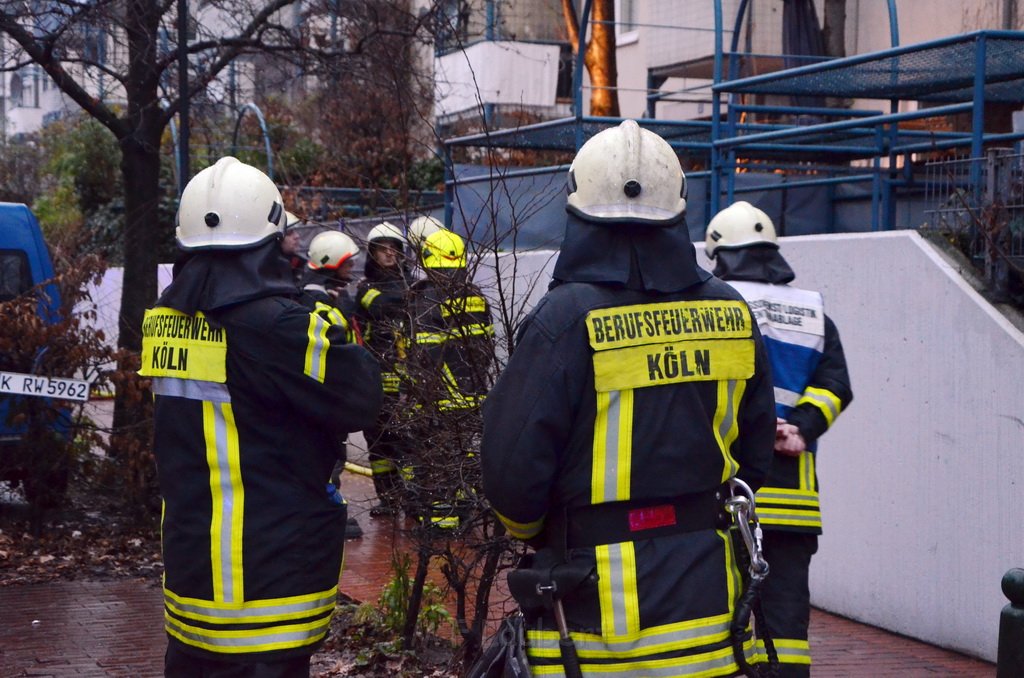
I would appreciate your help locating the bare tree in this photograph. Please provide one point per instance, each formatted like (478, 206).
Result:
(60, 37)
(598, 54)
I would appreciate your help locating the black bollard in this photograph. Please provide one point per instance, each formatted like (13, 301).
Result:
(1010, 663)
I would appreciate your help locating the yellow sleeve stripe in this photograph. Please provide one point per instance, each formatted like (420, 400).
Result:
(521, 530)
(825, 400)
(368, 298)
(316, 350)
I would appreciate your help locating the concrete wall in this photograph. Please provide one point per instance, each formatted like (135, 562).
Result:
(922, 476)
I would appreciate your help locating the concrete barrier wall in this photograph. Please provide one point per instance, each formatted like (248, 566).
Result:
(922, 477)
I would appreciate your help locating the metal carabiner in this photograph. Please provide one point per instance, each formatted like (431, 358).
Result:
(743, 508)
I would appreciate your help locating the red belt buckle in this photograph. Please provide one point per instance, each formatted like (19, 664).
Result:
(651, 517)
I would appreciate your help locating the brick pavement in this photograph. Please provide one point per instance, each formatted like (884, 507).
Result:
(115, 628)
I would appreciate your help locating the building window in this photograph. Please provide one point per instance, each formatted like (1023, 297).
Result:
(626, 20)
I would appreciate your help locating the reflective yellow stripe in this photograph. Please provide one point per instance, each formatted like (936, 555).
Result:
(793, 651)
(770, 515)
(461, 332)
(726, 424)
(616, 586)
(612, 447)
(279, 637)
(733, 580)
(332, 314)
(786, 496)
(228, 495)
(316, 350)
(825, 400)
(611, 624)
(251, 611)
(368, 298)
(649, 641)
(624, 456)
(521, 530)
(718, 662)
(382, 467)
(463, 305)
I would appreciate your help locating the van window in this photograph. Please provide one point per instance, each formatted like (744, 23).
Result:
(15, 276)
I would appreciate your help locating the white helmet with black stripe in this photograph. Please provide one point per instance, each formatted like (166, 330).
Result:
(627, 174)
(229, 205)
(739, 225)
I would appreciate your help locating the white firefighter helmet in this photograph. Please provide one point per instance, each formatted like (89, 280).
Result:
(443, 249)
(331, 249)
(291, 220)
(739, 225)
(229, 205)
(421, 227)
(386, 231)
(627, 174)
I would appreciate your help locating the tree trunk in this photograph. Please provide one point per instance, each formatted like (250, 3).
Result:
(599, 54)
(140, 169)
(600, 62)
(835, 28)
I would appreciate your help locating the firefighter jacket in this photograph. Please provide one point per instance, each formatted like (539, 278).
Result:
(251, 391)
(336, 310)
(619, 411)
(382, 307)
(811, 381)
(454, 338)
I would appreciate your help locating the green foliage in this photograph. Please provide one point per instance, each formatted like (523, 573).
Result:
(83, 191)
(426, 175)
(393, 604)
(58, 211)
(20, 166)
(301, 160)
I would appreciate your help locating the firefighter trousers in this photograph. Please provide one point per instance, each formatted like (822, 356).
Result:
(786, 599)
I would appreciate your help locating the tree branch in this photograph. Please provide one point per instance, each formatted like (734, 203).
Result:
(42, 54)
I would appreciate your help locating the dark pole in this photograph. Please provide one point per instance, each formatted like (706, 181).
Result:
(183, 125)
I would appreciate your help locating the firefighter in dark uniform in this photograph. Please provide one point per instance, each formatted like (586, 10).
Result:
(326, 275)
(451, 367)
(812, 386)
(251, 389)
(638, 387)
(382, 305)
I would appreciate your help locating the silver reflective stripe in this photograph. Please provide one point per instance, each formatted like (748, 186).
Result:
(810, 516)
(807, 469)
(662, 668)
(227, 505)
(193, 389)
(784, 397)
(827, 403)
(786, 651)
(611, 448)
(617, 591)
(794, 495)
(726, 427)
(295, 635)
(319, 346)
(633, 647)
(253, 608)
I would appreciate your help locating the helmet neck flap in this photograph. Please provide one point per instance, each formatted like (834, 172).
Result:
(754, 263)
(208, 280)
(648, 258)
